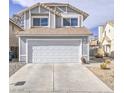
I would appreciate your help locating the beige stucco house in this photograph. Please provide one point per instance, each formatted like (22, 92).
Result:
(106, 34)
(13, 40)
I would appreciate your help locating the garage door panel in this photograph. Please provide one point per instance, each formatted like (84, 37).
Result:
(55, 42)
(54, 51)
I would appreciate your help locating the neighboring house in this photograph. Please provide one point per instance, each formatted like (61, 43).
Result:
(94, 43)
(13, 40)
(53, 33)
(93, 46)
(106, 33)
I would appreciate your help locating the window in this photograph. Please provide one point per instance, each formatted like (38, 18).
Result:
(40, 21)
(74, 21)
(66, 22)
(70, 22)
(36, 21)
(44, 21)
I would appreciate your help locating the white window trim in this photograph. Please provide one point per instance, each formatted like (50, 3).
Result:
(25, 20)
(30, 19)
(39, 17)
(49, 19)
(19, 48)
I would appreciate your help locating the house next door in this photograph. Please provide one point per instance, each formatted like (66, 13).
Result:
(53, 50)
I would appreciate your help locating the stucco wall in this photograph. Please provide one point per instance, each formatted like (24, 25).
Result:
(13, 40)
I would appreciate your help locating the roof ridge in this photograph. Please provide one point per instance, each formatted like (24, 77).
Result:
(61, 31)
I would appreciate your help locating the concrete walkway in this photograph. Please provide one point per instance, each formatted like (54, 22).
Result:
(56, 78)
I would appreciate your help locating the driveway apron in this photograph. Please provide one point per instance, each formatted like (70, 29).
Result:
(56, 78)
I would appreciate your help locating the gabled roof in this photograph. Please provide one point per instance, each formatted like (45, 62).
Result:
(39, 4)
(69, 5)
(47, 6)
(81, 31)
(108, 22)
(12, 21)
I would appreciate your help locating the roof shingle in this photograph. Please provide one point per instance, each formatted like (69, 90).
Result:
(42, 31)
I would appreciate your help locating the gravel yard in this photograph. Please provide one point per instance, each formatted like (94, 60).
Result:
(98, 60)
(14, 66)
(107, 76)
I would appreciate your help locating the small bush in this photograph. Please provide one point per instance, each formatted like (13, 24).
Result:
(106, 64)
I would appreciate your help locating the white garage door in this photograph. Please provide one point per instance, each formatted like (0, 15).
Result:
(54, 51)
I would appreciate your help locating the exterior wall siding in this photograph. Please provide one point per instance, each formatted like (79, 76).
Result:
(43, 10)
(23, 46)
(27, 20)
(58, 21)
(85, 48)
(13, 40)
(35, 10)
(52, 20)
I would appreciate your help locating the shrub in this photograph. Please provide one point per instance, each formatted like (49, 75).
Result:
(106, 64)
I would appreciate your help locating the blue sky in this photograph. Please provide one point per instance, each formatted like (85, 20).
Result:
(100, 11)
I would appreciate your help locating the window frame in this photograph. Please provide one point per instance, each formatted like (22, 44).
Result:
(70, 19)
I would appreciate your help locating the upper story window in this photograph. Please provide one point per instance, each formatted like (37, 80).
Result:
(44, 21)
(36, 21)
(40, 21)
(66, 22)
(70, 21)
(74, 21)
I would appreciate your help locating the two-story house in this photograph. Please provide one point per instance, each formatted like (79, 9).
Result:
(53, 33)
(106, 33)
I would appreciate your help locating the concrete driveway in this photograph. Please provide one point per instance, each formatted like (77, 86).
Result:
(56, 78)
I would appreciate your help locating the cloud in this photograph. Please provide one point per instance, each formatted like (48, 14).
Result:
(100, 11)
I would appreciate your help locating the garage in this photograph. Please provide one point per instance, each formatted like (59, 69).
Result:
(53, 50)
